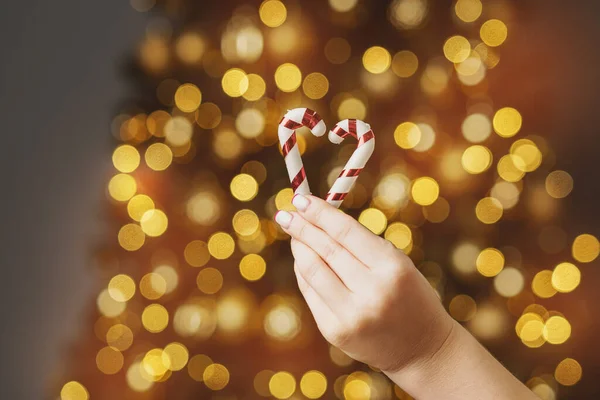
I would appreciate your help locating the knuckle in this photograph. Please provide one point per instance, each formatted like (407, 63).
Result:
(318, 214)
(331, 252)
(343, 231)
(337, 336)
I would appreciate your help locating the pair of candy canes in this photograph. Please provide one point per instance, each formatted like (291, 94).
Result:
(361, 131)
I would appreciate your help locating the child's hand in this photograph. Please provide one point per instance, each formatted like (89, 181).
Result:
(367, 297)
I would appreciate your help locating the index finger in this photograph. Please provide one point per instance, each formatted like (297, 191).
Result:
(344, 229)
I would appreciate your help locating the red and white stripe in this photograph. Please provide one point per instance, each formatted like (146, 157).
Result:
(293, 120)
(366, 144)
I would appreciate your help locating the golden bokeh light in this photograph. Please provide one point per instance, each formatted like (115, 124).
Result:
(122, 187)
(509, 282)
(400, 235)
(405, 63)
(154, 222)
(493, 32)
(209, 280)
(427, 138)
(256, 88)
(476, 159)
(407, 135)
(557, 330)
(568, 372)
(425, 191)
(252, 267)
(244, 187)
(190, 47)
(120, 337)
(457, 49)
(250, 123)
(337, 50)
(288, 77)
(138, 205)
(109, 360)
(246, 223)
(256, 169)
(342, 5)
(315, 85)
(197, 365)
(121, 288)
(377, 60)
(138, 380)
(196, 253)
(541, 284)
(586, 248)
(490, 262)
(74, 391)
(215, 376)
(131, 237)
(155, 318)
(507, 168)
(221, 245)
(108, 306)
(489, 210)
(559, 184)
(203, 208)
(282, 385)
(177, 355)
(352, 107)
(468, 10)
(507, 122)
(462, 308)
(158, 156)
(313, 384)
(188, 97)
(126, 158)
(476, 128)
(235, 82)
(565, 277)
(178, 131)
(153, 286)
(208, 115)
(374, 220)
(526, 154)
(272, 13)
(438, 211)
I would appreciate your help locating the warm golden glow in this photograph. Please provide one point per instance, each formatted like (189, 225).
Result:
(74, 391)
(188, 97)
(209, 280)
(568, 372)
(196, 253)
(489, 210)
(507, 122)
(131, 237)
(282, 385)
(313, 384)
(216, 376)
(493, 32)
(490, 262)
(154, 222)
(158, 156)
(405, 63)
(126, 158)
(235, 82)
(425, 191)
(586, 248)
(457, 49)
(221, 245)
(468, 10)
(374, 220)
(244, 187)
(407, 135)
(272, 13)
(122, 187)
(377, 60)
(315, 86)
(559, 184)
(155, 318)
(252, 267)
(566, 277)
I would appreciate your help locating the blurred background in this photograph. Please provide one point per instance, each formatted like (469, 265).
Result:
(142, 171)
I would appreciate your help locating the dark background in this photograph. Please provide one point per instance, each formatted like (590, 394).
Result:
(61, 78)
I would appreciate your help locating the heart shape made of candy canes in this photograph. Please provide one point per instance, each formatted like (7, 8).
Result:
(358, 129)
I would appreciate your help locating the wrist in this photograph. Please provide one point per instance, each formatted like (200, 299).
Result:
(460, 368)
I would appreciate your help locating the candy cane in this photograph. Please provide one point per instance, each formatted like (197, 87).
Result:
(366, 144)
(293, 120)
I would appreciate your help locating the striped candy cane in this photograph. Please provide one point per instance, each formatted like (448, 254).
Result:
(293, 120)
(366, 144)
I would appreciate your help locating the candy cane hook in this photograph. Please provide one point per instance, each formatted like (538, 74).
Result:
(366, 145)
(293, 120)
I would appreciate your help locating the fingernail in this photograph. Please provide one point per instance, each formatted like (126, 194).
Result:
(300, 202)
(283, 218)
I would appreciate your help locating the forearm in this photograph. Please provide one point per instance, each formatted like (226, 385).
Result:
(461, 369)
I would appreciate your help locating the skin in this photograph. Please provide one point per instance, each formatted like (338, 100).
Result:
(369, 300)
